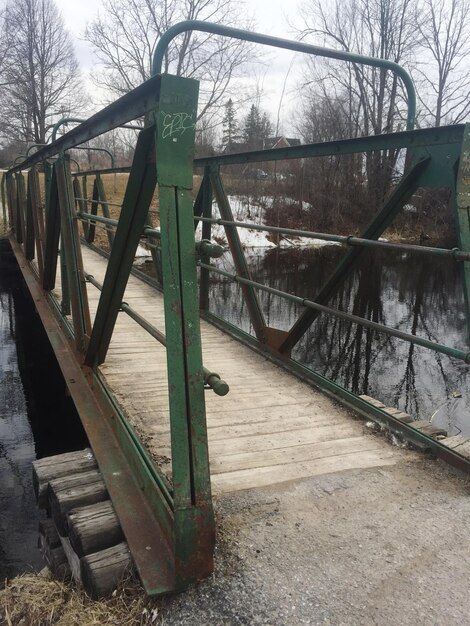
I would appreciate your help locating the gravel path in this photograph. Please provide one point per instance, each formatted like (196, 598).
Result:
(386, 546)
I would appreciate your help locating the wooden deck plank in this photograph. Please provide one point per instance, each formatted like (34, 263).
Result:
(270, 428)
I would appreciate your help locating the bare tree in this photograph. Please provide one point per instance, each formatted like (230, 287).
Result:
(125, 35)
(444, 26)
(41, 72)
(377, 28)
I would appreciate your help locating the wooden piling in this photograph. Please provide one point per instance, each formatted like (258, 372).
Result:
(82, 539)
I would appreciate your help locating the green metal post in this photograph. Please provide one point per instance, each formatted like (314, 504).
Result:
(461, 206)
(85, 203)
(71, 252)
(52, 230)
(20, 208)
(380, 222)
(194, 521)
(34, 198)
(11, 195)
(4, 201)
(91, 231)
(29, 228)
(101, 199)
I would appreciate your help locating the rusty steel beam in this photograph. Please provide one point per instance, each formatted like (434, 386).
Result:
(149, 536)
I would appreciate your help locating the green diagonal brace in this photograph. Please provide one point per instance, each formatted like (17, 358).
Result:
(251, 298)
(139, 192)
(380, 222)
(52, 231)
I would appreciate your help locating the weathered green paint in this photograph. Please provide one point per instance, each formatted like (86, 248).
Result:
(29, 223)
(183, 515)
(252, 302)
(52, 231)
(20, 207)
(12, 208)
(102, 200)
(71, 252)
(4, 200)
(34, 200)
(194, 521)
(425, 141)
(139, 192)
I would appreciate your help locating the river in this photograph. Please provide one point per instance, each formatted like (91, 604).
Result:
(422, 295)
(37, 418)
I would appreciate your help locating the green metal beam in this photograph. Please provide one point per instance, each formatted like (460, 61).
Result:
(194, 519)
(52, 231)
(20, 207)
(461, 207)
(139, 192)
(34, 199)
(71, 253)
(445, 138)
(138, 102)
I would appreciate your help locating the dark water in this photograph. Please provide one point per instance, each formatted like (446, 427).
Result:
(37, 419)
(417, 294)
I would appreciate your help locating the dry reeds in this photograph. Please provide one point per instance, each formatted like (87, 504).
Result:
(34, 600)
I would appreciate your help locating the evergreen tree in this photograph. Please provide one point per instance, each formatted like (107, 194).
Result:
(256, 128)
(231, 132)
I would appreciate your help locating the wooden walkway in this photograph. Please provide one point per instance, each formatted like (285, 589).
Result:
(270, 428)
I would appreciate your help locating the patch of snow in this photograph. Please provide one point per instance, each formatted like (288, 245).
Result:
(252, 212)
(142, 252)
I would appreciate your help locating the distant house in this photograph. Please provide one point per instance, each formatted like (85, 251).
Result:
(266, 144)
(281, 142)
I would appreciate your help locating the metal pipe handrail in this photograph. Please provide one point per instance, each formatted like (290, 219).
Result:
(349, 240)
(296, 46)
(211, 379)
(109, 221)
(425, 343)
(105, 202)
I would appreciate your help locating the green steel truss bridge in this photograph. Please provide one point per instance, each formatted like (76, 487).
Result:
(131, 352)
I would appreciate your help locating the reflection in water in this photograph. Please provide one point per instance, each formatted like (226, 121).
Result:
(36, 417)
(417, 294)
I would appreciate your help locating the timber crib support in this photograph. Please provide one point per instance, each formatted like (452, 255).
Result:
(82, 538)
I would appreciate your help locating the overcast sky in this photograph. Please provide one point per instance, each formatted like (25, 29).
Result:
(271, 16)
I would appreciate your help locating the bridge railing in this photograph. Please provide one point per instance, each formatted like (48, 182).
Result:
(435, 160)
(44, 211)
(46, 206)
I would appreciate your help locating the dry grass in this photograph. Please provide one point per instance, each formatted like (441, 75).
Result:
(33, 600)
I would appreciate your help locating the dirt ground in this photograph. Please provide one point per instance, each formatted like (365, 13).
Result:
(386, 546)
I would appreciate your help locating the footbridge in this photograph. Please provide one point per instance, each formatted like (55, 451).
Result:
(177, 403)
